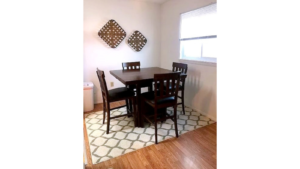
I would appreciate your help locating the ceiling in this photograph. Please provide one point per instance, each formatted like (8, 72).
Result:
(156, 1)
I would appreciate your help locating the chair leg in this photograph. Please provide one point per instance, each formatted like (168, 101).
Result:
(155, 118)
(104, 110)
(182, 101)
(130, 106)
(143, 110)
(175, 120)
(134, 111)
(108, 118)
(127, 106)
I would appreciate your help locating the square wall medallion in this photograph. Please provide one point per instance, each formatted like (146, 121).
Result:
(112, 33)
(137, 41)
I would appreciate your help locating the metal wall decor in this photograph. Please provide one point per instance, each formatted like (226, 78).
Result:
(137, 41)
(112, 33)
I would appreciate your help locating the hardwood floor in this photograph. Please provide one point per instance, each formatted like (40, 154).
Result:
(193, 150)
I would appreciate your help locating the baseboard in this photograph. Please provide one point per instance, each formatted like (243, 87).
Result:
(209, 116)
(99, 102)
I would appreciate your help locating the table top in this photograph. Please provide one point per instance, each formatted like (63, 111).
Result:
(138, 76)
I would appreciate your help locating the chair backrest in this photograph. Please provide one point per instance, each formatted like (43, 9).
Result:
(182, 67)
(131, 65)
(103, 86)
(172, 80)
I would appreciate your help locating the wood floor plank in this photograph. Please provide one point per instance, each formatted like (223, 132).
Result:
(147, 156)
(160, 155)
(168, 156)
(99, 166)
(115, 163)
(183, 155)
(192, 150)
(157, 161)
(119, 162)
(108, 163)
(125, 162)
(134, 161)
(197, 148)
(203, 141)
(143, 159)
(209, 133)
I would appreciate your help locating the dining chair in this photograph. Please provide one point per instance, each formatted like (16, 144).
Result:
(162, 98)
(180, 67)
(113, 95)
(134, 66)
(131, 65)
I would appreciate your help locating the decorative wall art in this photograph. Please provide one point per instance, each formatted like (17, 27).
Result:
(112, 33)
(137, 41)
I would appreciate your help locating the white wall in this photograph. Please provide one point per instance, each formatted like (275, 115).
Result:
(200, 91)
(131, 15)
(160, 25)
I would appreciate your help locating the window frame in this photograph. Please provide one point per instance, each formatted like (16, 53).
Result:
(211, 61)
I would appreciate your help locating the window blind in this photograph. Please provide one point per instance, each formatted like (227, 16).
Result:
(199, 24)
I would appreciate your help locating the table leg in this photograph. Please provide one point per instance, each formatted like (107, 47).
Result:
(139, 109)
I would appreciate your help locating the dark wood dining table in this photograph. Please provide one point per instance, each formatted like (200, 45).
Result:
(138, 78)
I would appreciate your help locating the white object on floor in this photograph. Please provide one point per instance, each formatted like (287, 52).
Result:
(88, 96)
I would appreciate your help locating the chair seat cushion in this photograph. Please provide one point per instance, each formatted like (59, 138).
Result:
(120, 93)
(150, 97)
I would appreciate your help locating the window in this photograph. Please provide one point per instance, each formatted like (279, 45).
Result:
(198, 34)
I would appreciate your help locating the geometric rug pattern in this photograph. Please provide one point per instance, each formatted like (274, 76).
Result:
(124, 137)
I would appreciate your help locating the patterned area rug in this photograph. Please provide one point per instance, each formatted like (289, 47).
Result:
(124, 137)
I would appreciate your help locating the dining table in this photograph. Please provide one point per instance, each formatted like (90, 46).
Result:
(138, 78)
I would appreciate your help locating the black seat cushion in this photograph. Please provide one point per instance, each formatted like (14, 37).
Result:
(150, 97)
(120, 93)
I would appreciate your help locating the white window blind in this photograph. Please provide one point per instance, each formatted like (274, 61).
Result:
(198, 34)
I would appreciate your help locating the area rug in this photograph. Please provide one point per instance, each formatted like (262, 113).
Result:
(124, 137)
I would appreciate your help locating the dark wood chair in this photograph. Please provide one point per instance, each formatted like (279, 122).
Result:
(162, 98)
(180, 67)
(113, 95)
(131, 65)
(134, 66)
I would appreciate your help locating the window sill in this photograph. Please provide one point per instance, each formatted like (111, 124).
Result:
(199, 62)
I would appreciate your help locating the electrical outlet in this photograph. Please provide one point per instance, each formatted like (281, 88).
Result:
(111, 84)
